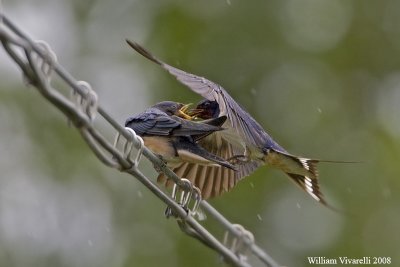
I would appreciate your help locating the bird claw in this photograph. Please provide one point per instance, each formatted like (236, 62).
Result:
(157, 167)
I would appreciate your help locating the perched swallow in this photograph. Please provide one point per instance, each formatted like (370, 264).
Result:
(244, 136)
(174, 139)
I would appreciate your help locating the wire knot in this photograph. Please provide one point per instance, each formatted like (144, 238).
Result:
(187, 196)
(127, 149)
(42, 59)
(239, 244)
(87, 101)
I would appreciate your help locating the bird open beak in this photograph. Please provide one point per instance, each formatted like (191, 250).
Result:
(194, 112)
(182, 112)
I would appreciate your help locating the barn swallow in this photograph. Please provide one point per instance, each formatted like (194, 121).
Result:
(245, 141)
(174, 139)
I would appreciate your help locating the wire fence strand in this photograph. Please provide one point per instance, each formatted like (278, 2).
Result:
(37, 62)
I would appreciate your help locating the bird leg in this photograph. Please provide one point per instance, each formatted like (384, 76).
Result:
(239, 159)
(157, 167)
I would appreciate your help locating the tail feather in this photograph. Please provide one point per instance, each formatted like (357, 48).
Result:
(302, 171)
(308, 164)
(291, 164)
(310, 186)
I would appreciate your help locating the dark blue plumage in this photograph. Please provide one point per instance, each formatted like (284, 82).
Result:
(174, 138)
(244, 140)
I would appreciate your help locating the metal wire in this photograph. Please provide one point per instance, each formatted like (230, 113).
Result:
(38, 63)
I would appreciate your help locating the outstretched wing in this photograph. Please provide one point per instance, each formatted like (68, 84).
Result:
(241, 122)
(243, 125)
(243, 131)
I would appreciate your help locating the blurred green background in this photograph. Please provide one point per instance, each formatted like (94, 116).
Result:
(322, 77)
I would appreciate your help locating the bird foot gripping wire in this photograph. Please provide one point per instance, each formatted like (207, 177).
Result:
(239, 244)
(128, 145)
(187, 196)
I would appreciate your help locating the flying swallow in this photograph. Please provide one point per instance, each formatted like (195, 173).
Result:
(244, 140)
(173, 138)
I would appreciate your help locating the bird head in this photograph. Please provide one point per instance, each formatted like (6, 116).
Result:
(174, 108)
(205, 109)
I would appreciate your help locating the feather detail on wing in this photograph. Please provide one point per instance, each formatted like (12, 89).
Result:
(249, 134)
(239, 121)
(213, 181)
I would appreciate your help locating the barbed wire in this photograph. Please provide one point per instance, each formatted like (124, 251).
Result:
(38, 63)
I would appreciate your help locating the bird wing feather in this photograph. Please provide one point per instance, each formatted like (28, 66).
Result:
(239, 122)
(156, 122)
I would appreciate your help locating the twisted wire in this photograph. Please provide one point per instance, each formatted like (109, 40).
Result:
(38, 63)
